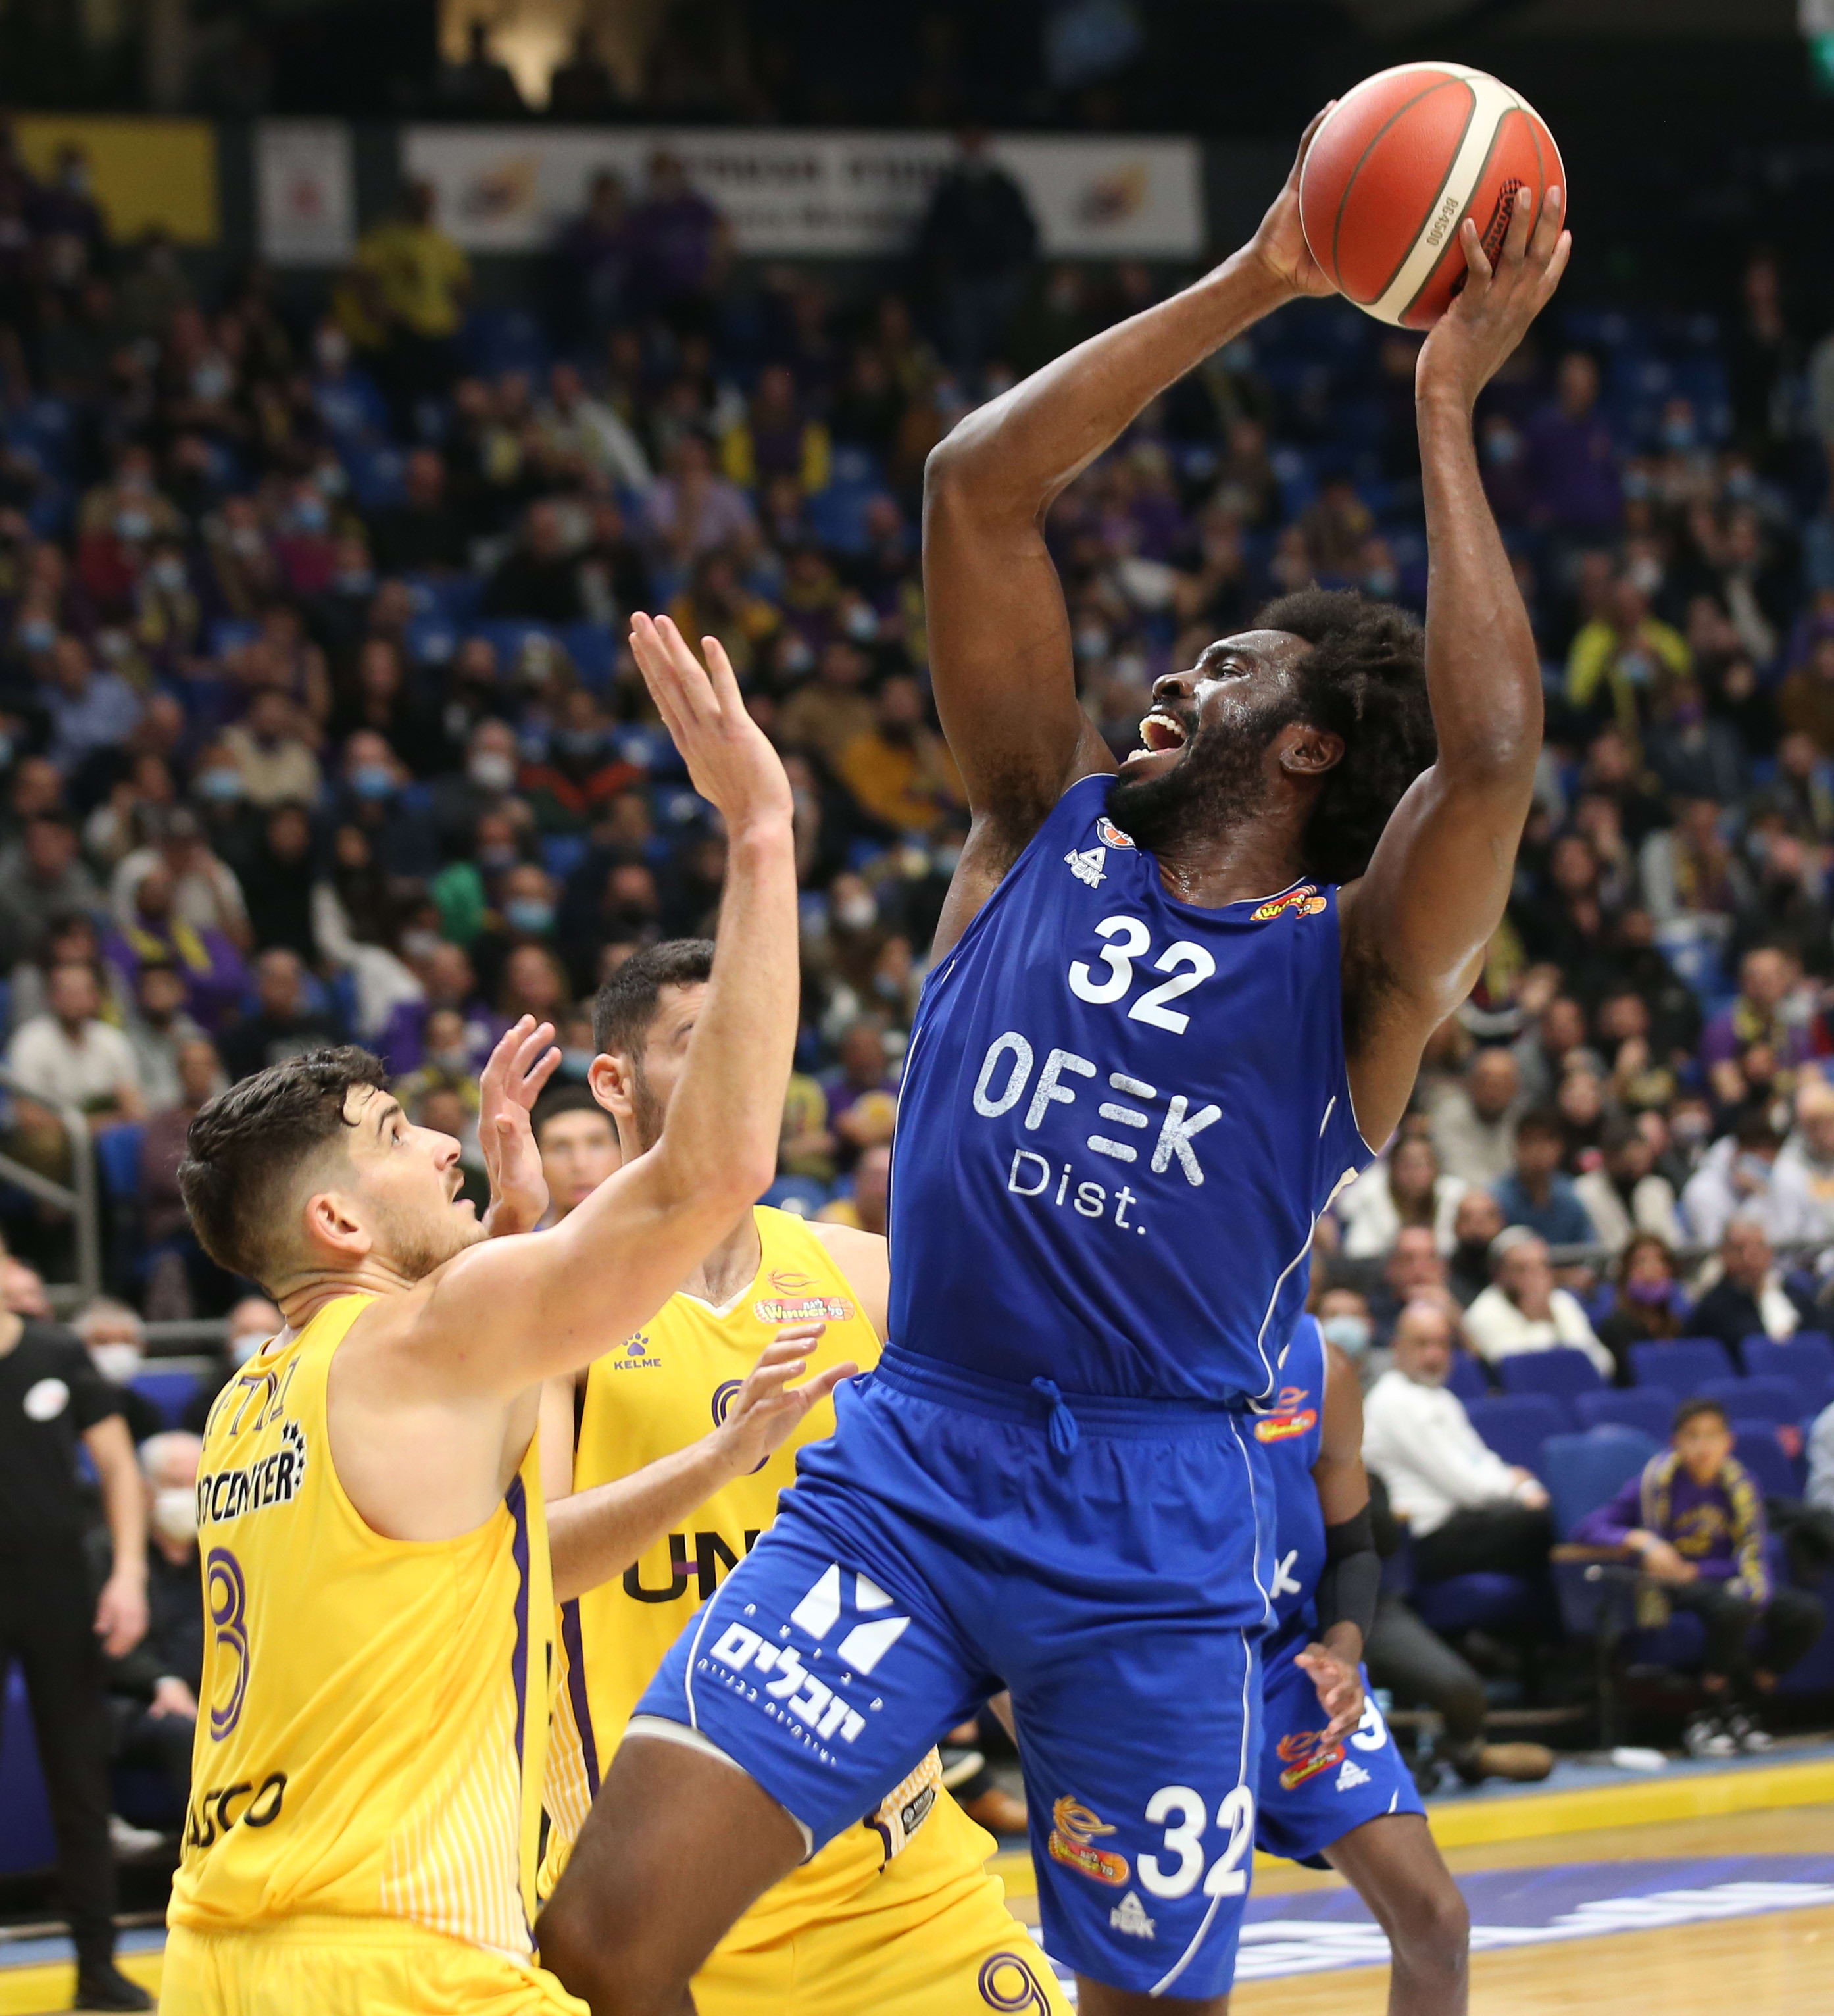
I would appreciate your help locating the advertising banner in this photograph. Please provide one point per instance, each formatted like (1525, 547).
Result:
(305, 192)
(509, 188)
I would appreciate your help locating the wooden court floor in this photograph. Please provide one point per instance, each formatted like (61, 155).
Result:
(1781, 1963)
(1778, 1964)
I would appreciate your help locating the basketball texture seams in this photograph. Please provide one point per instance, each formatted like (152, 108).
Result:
(1395, 168)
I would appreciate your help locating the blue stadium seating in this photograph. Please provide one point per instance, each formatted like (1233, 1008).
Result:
(26, 1839)
(1757, 1449)
(1776, 1401)
(1479, 1601)
(1516, 1425)
(1467, 1378)
(1563, 1374)
(1807, 1359)
(1682, 1364)
(117, 1160)
(170, 1391)
(1646, 1409)
(1582, 1472)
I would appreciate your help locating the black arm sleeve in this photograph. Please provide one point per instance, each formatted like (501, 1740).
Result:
(1352, 1579)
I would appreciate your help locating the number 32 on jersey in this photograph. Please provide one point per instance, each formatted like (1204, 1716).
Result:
(1128, 942)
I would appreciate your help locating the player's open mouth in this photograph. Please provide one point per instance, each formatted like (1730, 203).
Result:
(1159, 732)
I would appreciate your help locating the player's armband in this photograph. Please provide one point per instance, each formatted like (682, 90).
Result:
(1352, 1579)
(907, 1806)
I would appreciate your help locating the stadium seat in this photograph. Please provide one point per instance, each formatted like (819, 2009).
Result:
(117, 1160)
(1515, 1425)
(593, 648)
(1480, 1601)
(1468, 1378)
(1646, 1409)
(562, 852)
(26, 1840)
(1756, 1447)
(1806, 1359)
(1682, 1364)
(1776, 1401)
(1563, 1374)
(1582, 1472)
(170, 1391)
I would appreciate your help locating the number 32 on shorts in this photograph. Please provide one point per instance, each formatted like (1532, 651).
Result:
(1184, 1814)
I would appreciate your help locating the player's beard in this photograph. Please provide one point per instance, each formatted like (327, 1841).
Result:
(648, 1113)
(416, 1245)
(1221, 782)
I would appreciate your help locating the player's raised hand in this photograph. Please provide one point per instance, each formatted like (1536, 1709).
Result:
(1340, 1689)
(730, 762)
(1280, 243)
(1468, 345)
(767, 1409)
(517, 1071)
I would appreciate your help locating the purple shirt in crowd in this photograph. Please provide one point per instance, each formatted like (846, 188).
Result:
(1572, 472)
(1719, 1526)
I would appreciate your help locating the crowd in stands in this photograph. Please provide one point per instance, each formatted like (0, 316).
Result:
(317, 723)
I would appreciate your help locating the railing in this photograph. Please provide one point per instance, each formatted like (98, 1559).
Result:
(78, 1200)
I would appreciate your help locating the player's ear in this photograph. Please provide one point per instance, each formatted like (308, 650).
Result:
(1310, 752)
(332, 1228)
(610, 1078)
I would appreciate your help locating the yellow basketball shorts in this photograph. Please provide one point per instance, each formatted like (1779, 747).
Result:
(328, 1966)
(956, 1951)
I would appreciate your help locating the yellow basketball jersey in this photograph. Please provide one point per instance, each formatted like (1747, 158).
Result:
(655, 1393)
(373, 1723)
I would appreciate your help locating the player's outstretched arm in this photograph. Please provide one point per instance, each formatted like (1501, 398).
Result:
(1416, 926)
(595, 1535)
(522, 1308)
(999, 633)
(1347, 1589)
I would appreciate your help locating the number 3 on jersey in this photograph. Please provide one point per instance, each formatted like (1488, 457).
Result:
(1129, 941)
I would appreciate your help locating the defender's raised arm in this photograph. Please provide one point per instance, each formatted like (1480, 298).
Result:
(617, 1259)
(999, 633)
(1416, 926)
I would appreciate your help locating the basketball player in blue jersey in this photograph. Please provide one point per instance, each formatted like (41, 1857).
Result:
(1333, 1788)
(1167, 1014)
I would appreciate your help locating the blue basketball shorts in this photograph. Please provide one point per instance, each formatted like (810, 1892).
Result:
(1112, 1574)
(1313, 1793)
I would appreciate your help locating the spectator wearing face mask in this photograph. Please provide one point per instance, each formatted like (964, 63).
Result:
(1735, 1176)
(115, 1338)
(1344, 1316)
(1521, 1309)
(1406, 1187)
(159, 1029)
(154, 1691)
(1647, 1304)
(251, 1324)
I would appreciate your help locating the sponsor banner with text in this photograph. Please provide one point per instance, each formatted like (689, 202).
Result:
(511, 188)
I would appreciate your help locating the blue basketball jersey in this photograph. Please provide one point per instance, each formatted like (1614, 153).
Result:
(1292, 1433)
(1121, 1116)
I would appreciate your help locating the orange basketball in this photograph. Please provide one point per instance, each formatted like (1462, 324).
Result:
(1400, 164)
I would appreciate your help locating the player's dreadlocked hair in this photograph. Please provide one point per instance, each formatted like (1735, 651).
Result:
(1364, 678)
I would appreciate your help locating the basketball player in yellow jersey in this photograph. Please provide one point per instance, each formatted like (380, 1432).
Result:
(898, 1917)
(361, 1839)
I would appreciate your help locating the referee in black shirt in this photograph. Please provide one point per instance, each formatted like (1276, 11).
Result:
(50, 1395)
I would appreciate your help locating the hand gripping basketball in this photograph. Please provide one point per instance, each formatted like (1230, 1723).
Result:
(1470, 343)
